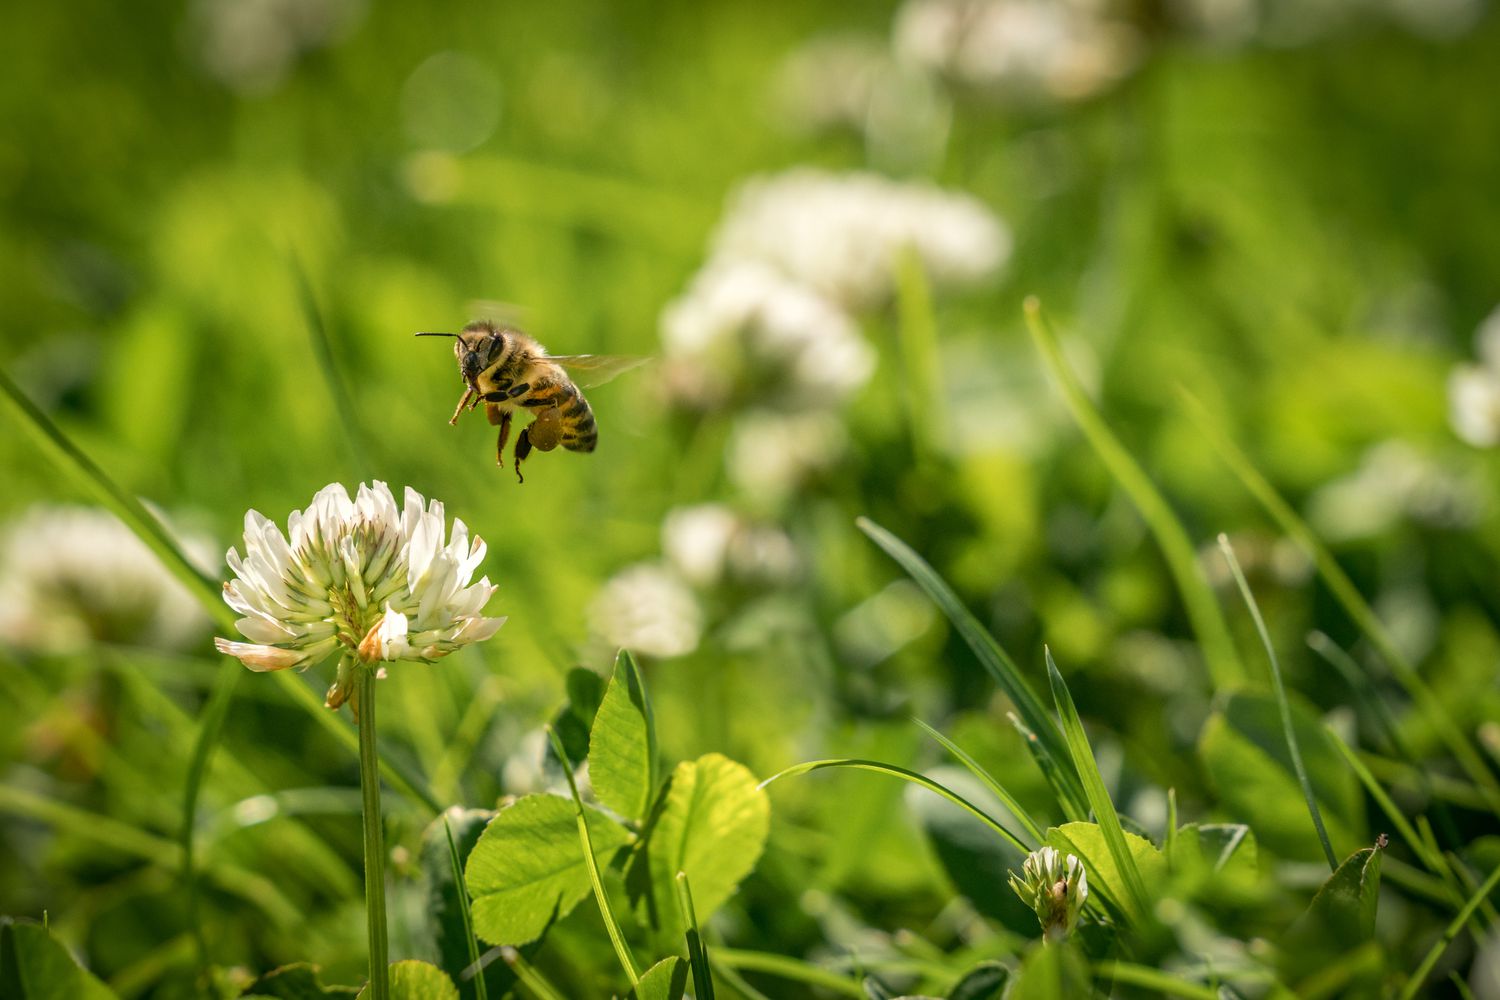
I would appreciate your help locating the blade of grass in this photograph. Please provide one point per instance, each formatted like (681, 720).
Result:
(322, 348)
(1061, 779)
(978, 771)
(1152, 979)
(154, 849)
(529, 975)
(1398, 819)
(149, 528)
(1349, 598)
(1285, 708)
(737, 982)
(622, 950)
(214, 713)
(1419, 977)
(1170, 841)
(125, 505)
(920, 780)
(989, 652)
(703, 980)
(1470, 882)
(465, 737)
(1098, 794)
(475, 970)
(789, 968)
(1386, 725)
(1224, 667)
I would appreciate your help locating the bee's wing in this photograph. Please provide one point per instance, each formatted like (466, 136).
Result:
(588, 370)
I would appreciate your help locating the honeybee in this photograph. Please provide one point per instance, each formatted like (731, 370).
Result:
(510, 372)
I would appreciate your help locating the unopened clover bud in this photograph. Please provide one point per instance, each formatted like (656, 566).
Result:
(1055, 887)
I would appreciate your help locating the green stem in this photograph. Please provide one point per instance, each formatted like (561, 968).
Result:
(1348, 595)
(481, 988)
(369, 784)
(703, 982)
(1198, 599)
(788, 968)
(203, 748)
(616, 937)
(1282, 705)
(1414, 984)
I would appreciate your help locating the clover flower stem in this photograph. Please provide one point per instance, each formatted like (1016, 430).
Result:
(369, 784)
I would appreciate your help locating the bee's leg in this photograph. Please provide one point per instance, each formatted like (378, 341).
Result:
(523, 448)
(503, 393)
(462, 401)
(504, 436)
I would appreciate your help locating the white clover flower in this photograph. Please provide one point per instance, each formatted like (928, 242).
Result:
(1474, 390)
(1019, 49)
(743, 327)
(709, 543)
(647, 609)
(361, 576)
(1055, 887)
(71, 575)
(772, 455)
(1393, 481)
(843, 234)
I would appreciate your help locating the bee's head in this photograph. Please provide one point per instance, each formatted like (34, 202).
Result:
(476, 347)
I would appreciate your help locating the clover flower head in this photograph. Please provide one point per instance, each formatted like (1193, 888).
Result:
(1474, 389)
(1027, 50)
(365, 577)
(1055, 886)
(843, 234)
(744, 325)
(649, 609)
(710, 544)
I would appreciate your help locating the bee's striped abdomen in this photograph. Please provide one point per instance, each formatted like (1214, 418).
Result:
(579, 432)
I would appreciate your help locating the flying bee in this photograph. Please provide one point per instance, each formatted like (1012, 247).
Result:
(510, 372)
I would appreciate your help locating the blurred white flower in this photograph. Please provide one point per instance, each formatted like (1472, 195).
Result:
(69, 575)
(1474, 404)
(1474, 390)
(363, 576)
(251, 44)
(843, 234)
(1023, 49)
(743, 327)
(772, 454)
(710, 543)
(1055, 887)
(1394, 481)
(647, 609)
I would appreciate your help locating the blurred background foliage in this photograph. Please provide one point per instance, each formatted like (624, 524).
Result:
(1294, 221)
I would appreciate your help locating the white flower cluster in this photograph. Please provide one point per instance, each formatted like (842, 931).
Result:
(366, 577)
(709, 544)
(1055, 887)
(1023, 49)
(71, 575)
(1395, 481)
(649, 609)
(843, 234)
(1474, 390)
(744, 326)
(771, 315)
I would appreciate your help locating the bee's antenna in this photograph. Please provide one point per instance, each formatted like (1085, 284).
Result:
(437, 335)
